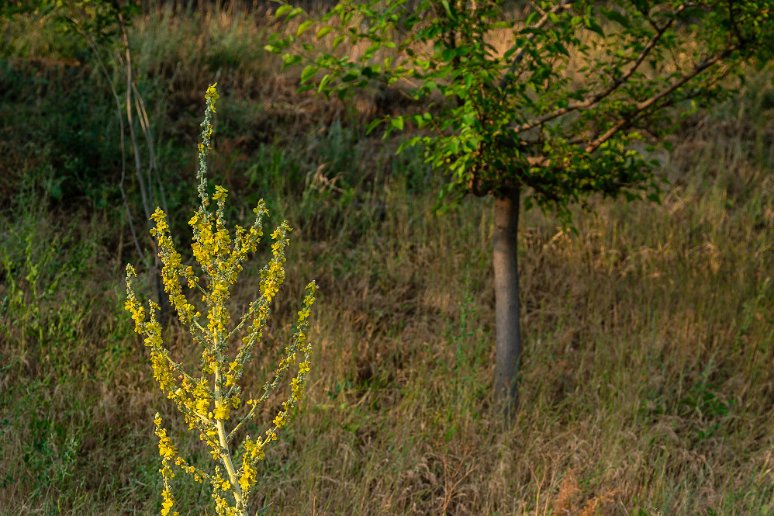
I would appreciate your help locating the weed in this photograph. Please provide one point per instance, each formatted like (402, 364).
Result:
(209, 400)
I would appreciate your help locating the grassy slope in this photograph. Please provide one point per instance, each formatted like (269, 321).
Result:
(647, 378)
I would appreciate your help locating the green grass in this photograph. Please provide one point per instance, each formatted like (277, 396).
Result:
(647, 380)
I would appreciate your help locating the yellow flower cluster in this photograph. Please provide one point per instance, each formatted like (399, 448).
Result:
(167, 452)
(173, 269)
(210, 399)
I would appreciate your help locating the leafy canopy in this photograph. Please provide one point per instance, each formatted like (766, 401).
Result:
(558, 101)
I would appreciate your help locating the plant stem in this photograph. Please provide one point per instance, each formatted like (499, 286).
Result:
(225, 454)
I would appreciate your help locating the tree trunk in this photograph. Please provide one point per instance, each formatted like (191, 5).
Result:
(506, 283)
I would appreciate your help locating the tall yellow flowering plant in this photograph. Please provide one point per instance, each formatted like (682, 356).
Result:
(210, 400)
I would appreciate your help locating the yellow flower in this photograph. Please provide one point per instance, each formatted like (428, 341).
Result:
(222, 411)
(211, 96)
(220, 193)
(280, 420)
(167, 502)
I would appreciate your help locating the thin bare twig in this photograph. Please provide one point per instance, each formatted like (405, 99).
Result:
(153, 169)
(130, 121)
(144, 189)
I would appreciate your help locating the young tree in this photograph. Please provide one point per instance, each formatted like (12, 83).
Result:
(549, 104)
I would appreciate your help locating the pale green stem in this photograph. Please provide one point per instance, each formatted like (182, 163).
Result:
(267, 389)
(242, 322)
(225, 454)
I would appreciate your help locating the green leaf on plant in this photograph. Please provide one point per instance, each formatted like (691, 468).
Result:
(373, 124)
(350, 76)
(323, 31)
(447, 8)
(615, 16)
(290, 59)
(324, 83)
(308, 72)
(303, 27)
(282, 10)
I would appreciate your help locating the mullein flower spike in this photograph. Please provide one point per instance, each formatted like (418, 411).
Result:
(210, 400)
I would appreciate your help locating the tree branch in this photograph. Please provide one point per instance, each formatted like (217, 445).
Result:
(599, 97)
(641, 107)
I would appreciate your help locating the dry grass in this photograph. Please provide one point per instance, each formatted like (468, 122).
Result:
(647, 381)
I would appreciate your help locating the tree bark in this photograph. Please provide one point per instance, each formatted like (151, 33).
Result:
(506, 283)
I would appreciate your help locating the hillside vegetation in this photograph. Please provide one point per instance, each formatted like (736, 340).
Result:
(648, 378)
